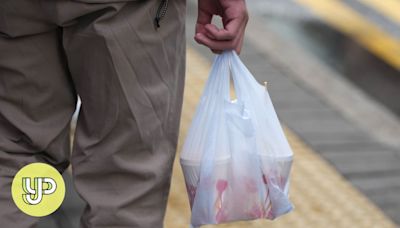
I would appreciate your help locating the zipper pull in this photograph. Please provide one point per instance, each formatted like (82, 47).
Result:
(157, 22)
(161, 11)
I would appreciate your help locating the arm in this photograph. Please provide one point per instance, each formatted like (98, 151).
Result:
(234, 18)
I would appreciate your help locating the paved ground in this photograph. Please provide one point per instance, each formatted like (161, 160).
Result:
(330, 116)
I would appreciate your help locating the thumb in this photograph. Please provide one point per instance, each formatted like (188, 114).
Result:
(203, 18)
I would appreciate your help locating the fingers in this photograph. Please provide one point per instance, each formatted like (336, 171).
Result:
(234, 16)
(216, 51)
(241, 38)
(221, 39)
(240, 45)
(221, 34)
(215, 44)
(203, 18)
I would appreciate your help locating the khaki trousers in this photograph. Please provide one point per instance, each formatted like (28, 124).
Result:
(130, 77)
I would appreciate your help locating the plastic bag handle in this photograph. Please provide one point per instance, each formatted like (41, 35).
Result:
(239, 72)
(217, 86)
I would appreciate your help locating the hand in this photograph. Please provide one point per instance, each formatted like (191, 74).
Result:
(234, 18)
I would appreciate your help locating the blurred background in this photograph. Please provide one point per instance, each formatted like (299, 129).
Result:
(333, 68)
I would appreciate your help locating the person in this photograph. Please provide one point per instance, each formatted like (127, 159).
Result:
(126, 61)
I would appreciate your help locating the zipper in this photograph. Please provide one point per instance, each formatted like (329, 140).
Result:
(161, 11)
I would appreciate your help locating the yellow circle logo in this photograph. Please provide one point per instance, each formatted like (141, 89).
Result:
(38, 189)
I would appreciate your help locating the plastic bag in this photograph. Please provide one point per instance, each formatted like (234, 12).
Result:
(236, 159)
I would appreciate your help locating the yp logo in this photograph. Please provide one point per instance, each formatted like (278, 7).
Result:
(38, 189)
(34, 195)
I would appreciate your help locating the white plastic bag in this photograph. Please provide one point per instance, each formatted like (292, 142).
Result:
(236, 159)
